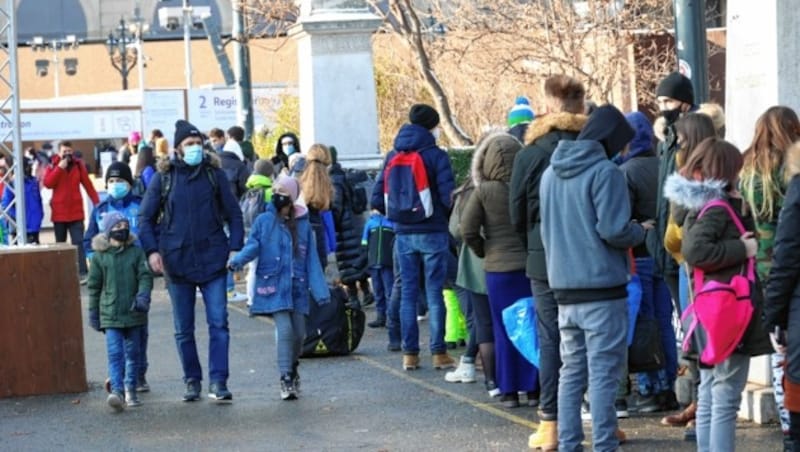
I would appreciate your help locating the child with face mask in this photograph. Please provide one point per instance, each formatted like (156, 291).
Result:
(119, 286)
(288, 271)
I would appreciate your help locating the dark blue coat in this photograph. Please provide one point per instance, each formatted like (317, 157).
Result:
(34, 211)
(191, 240)
(412, 137)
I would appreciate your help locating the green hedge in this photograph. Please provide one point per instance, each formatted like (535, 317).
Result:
(460, 159)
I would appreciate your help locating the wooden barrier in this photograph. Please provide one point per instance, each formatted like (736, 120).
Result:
(41, 329)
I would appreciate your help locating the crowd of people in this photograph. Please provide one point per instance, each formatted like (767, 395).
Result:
(612, 224)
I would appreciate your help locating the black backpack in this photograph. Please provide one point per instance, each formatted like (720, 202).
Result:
(333, 329)
(252, 205)
(360, 186)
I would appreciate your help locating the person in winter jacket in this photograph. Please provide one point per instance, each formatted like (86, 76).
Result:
(378, 243)
(34, 211)
(486, 229)
(191, 205)
(119, 298)
(781, 309)
(423, 244)
(65, 176)
(591, 293)
(233, 164)
(763, 187)
(520, 117)
(288, 271)
(562, 120)
(714, 244)
(287, 144)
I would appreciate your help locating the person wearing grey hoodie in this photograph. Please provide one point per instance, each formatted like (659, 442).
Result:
(587, 231)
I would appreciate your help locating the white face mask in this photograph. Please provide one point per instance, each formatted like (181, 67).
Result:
(437, 132)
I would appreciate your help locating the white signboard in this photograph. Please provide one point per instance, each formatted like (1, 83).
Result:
(209, 108)
(76, 125)
(160, 110)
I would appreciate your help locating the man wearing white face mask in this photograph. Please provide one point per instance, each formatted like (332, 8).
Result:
(182, 229)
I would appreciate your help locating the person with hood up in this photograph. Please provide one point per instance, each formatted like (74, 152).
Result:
(287, 144)
(591, 293)
(182, 223)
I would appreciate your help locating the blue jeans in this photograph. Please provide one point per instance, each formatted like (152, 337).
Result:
(429, 252)
(122, 346)
(718, 402)
(230, 284)
(382, 282)
(657, 304)
(215, 300)
(549, 343)
(593, 349)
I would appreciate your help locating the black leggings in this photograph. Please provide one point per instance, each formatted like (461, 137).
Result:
(75, 229)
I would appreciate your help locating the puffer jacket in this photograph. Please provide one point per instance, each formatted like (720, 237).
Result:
(470, 274)
(350, 255)
(712, 244)
(116, 275)
(67, 202)
(128, 206)
(782, 307)
(191, 235)
(285, 274)
(485, 224)
(530, 163)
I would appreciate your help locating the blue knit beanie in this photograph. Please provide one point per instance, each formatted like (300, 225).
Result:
(522, 112)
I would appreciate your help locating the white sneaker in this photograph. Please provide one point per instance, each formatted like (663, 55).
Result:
(236, 297)
(464, 373)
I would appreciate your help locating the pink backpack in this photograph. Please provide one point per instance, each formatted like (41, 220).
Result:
(722, 310)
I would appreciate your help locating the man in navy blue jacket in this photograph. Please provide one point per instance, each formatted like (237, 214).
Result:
(182, 226)
(422, 244)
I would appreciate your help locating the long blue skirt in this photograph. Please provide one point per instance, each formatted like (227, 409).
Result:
(513, 372)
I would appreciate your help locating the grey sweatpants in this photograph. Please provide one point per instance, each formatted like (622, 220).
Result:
(290, 332)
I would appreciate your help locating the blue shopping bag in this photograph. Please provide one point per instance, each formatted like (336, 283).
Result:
(519, 320)
(634, 302)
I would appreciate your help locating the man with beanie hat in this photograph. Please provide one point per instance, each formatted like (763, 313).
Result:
(591, 293)
(192, 207)
(423, 244)
(519, 117)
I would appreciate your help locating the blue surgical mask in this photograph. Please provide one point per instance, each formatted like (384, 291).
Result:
(193, 154)
(118, 190)
(288, 149)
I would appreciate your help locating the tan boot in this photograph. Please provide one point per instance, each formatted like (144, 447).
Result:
(410, 362)
(545, 438)
(621, 436)
(443, 361)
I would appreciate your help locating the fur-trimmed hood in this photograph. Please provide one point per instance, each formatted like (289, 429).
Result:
(542, 125)
(494, 158)
(212, 158)
(101, 242)
(660, 128)
(691, 194)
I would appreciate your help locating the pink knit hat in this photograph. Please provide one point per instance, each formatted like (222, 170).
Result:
(134, 137)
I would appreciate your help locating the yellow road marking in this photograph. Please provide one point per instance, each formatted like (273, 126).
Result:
(404, 375)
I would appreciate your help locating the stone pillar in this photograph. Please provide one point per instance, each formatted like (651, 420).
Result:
(338, 103)
(761, 70)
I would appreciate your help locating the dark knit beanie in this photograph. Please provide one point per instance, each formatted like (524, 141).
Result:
(120, 170)
(678, 87)
(183, 130)
(264, 168)
(423, 115)
(110, 219)
(334, 154)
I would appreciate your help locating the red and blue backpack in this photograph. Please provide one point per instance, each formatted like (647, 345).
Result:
(406, 189)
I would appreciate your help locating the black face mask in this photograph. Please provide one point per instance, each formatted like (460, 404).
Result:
(281, 201)
(671, 115)
(120, 235)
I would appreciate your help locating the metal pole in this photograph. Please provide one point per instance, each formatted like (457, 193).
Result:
(55, 69)
(16, 139)
(244, 88)
(140, 61)
(123, 54)
(187, 42)
(690, 40)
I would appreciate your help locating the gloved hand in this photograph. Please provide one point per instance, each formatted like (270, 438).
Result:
(234, 266)
(141, 303)
(94, 319)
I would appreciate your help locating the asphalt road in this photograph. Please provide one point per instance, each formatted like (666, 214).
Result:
(361, 402)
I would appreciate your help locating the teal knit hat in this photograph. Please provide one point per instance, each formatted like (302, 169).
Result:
(522, 112)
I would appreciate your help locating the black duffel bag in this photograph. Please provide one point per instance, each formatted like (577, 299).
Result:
(333, 329)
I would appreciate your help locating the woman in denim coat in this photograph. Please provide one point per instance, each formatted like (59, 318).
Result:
(288, 270)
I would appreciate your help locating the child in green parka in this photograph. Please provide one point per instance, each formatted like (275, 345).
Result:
(119, 286)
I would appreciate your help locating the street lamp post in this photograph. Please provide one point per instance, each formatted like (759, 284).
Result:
(121, 59)
(187, 42)
(56, 45)
(138, 28)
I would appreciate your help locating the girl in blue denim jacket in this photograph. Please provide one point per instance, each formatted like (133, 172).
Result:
(287, 271)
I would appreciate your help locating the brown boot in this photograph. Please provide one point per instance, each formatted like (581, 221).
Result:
(410, 362)
(621, 436)
(545, 438)
(443, 361)
(682, 418)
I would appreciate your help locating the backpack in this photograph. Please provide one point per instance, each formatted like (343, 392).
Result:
(720, 312)
(252, 205)
(360, 186)
(406, 191)
(333, 329)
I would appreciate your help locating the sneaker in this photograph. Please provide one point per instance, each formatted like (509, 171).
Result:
(83, 278)
(107, 385)
(491, 388)
(510, 400)
(464, 373)
(142, 385)
(131, 398)
(368, 300)
(219, 393)
(410, 362)
(192, 393)
(379, 322)
(393, 347)
(586, 412)
(422, 318)
(116, 401)
(533, 398)
(236, 297)
(288, 391)
(443, 361)
(621, 405)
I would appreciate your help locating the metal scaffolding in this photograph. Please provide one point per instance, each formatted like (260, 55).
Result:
(10, 127)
